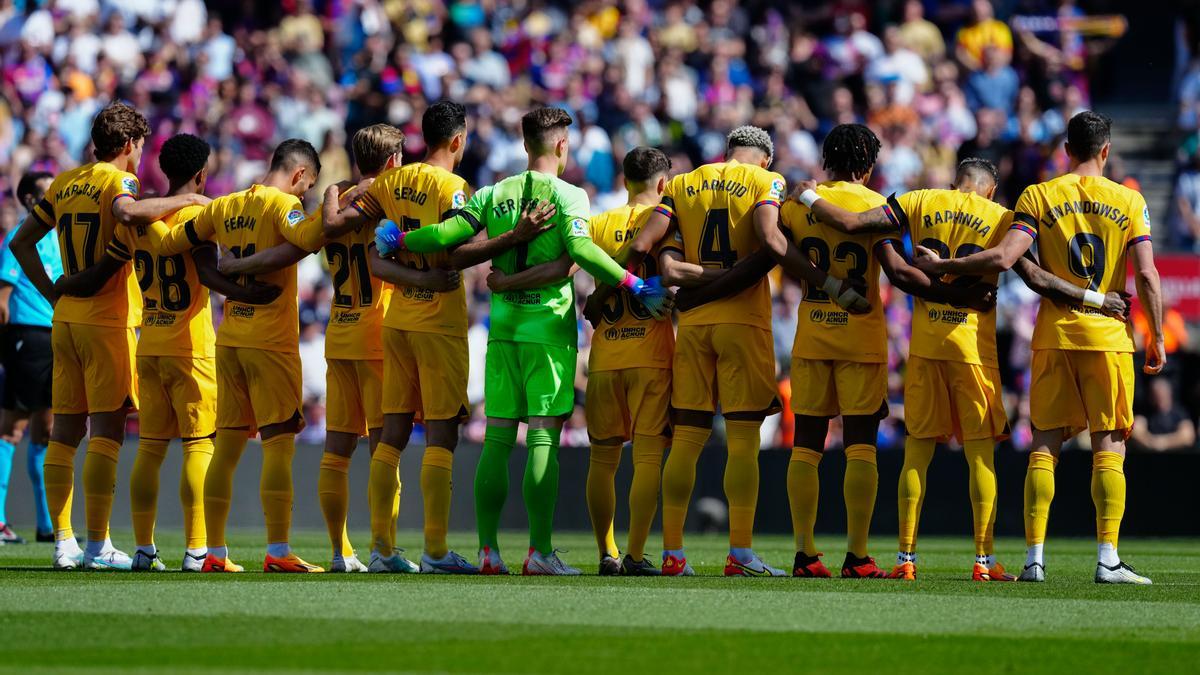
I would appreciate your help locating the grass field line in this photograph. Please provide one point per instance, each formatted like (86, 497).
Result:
(575, 605)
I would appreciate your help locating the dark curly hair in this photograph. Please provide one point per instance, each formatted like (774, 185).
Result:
(850, 149)
(182, 157)
(114, 126)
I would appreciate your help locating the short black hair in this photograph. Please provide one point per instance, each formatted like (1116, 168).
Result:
(850, 148)
(27, 187)
(442, 121)
(1087, 132)
(643, 163)
(182, 157)
(294, 152)
(540, 124)
(976, 167)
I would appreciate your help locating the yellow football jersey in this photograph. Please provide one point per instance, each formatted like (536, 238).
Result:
(712, 214)
(176, 315)
(628, 337)
(1083, 226)
(823, 329)
(254, 219)
(955, 224)
(416, 195)
(79, 204)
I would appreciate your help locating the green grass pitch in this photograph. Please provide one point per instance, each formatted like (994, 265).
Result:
(943, 622)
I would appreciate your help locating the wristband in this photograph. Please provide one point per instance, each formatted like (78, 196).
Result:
(809, 197)
(832, 286)
(631, 282)
(1093, 299)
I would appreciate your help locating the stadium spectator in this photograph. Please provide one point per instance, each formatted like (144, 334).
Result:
(1166, 427)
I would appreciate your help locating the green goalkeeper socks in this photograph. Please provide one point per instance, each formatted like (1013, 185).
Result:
(491, 482)
(540, 486)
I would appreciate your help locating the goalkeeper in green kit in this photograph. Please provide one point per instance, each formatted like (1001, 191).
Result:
(533, 337)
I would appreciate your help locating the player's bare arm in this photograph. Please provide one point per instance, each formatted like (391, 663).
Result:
(251, 292)
(917, 283)
(1149, 290)
(778, 242)
(1047, 285)
(746, 273)
(534, 277)
(130, 211)
(876, 220)
(339, 215)
(266, 261)
(654, 231)
(24, 249)
(87, 282)
(435, 279)
(999, 258)
(535, 219)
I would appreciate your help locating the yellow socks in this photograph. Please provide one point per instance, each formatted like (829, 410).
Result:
(383, 489)
(741, 480)
(1039, 492)
(859, 487)
(918, 453)
(437, 467)
(99, 483)
(218, 482)
(602, 495)
(1108, 493)
(679, 476)
(803, 487)
(980, 456)
(197, 454)
(643, 493)
(59, 478)
(333, 491)
(143, 488)
(275, 486)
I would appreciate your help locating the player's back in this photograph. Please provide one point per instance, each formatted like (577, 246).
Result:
(712, 209)
(825, 330)
(245, 222)
(955, 224)
(79, 205)
(1084, 226)
(177, 317)
(414, 196)
(628, 337)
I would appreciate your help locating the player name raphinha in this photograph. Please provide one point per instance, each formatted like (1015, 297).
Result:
(732, 187)
(1054, 213)
(407, 193)
(963, 218)
(240, 223)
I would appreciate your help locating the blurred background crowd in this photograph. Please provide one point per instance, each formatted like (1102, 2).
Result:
(937, 81)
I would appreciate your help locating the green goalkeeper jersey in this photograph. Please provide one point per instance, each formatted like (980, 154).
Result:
(543, 315)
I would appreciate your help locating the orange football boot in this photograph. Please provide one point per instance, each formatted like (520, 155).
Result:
(996, 573)
(905, 570)
(674, 566)
(214, 564)
(291, 563)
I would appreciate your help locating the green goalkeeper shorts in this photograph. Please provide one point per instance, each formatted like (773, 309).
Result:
(527, 379)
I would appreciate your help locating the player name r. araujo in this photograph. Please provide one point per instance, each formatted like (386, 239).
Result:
(1120, 218)
(721, 185)
(962, 218)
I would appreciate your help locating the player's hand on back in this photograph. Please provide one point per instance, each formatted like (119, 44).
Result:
(198, 199)
(983, 297)
(441, 280)
(259, 293)
(1156, 357)
(387, 238)
(497, 281)
(851, 296)
(1116, 305)
(535, 219)
(925, 259)
(803, 185)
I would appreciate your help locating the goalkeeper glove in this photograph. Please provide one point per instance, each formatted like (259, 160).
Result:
(649, 292)
(388, 238)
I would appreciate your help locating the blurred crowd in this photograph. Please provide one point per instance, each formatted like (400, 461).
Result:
(938, 81)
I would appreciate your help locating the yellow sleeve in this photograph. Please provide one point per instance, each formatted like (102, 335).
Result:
(124, 242)
(666, 205)
(192, 233)
(370, 203)
(770, 189)
(452, 197)
(309, 234)
(1027, 213)
(1139, 221)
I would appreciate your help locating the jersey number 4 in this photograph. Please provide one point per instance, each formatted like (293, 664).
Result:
(715, 248)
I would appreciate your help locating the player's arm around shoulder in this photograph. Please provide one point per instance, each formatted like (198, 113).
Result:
(1140, 250)
(129, 210)
(191, 232)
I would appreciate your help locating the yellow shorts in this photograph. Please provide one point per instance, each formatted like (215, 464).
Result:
(827, 388)
(179, 396)
(426, 374)
(353, 391)
(257, 387)
(731, 364)
(93, 369)
(948, 398)
(1075, 390)
(628, 402)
